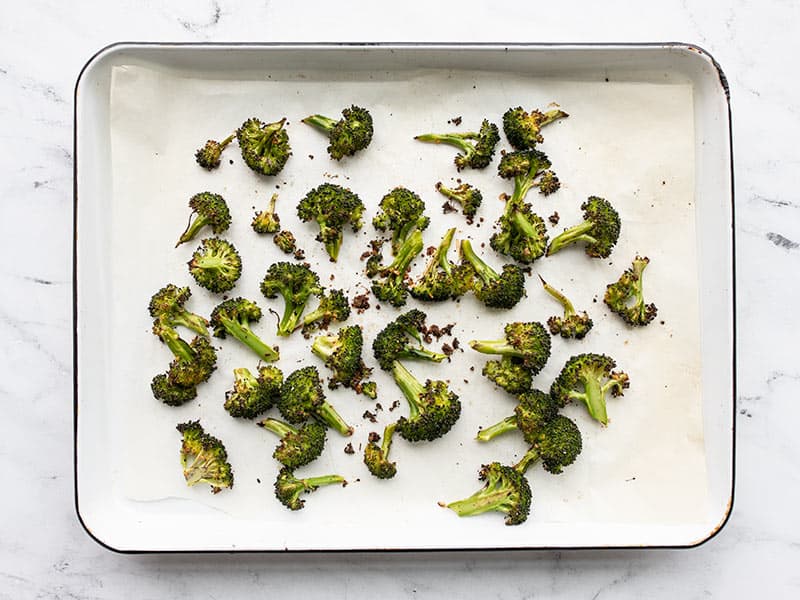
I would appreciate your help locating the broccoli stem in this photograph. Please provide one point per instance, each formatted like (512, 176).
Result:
(531, 456)
(483, 270)
(195, 472)
(594, 398)
(330, 417)
(454, 139)
(569, 310)
(440, 256)
(324, 346)
(411, 388)
(522, 185)
(176, 344)
(277, 427)
(409, 249)
(269, 134)
(312, 483)
(333, 246)
(572, 235)
(494, 347)
(386, 444)
(321, 122)
(194, 226)
(291, 317)
(524, 225)
(482, 501)
(449, 193)
(489, 433)
(191, 321)
(241, 331)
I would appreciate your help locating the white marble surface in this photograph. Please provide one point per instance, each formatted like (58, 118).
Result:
(44, 553)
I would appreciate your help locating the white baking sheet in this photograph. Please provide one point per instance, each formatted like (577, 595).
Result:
(632, 143)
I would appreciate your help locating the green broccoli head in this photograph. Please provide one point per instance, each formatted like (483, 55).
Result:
(167, 306)
(523, 129)
(289, 488)
(296, 283)
(209, 210)
(521, 234)
(401, 214)
(208, 156)
(505, 490)
(286, 241)
(265, 146)
(476, 148)
(333, 306)
(302, 398)
(527, 342)
(556, 443)
(402, 339)
(528, 169)
(503, 290)
(342, 355)
(433, 407)
(510, 374)
(390, 283)
(467, 196)
(588, 378)
(333, 207)
(216, 265)
(252, 395)
(267, 221)
(599, 230)
(572, 324)
(533, 411)
(348, 135)
(197, 367)
(625, 297)
(377, 457)
(442, 279)
(170, 393)
(297, 447)
(204, 458)
(233, 317)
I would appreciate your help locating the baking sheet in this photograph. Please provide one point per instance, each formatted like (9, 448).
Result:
(632, 143)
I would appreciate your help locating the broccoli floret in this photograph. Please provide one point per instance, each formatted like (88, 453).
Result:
(216, 265)
(506, 490)
(495, 290)
(467, 196)
(204, 458)
(288, 488)
(170, 393)
(523, 129)
(433, 408)
(533, 411)
(233, 317)
(333, 306)
(510, 374)
(348, 135)
(442, 279)
(477, 148)
(166, 305)
(302, 397)
(209, 210)
(267, 221)
(342, 355)
(556, 443)
(528, 342)
(391, 284)
(402, 214)
(628, 288)
(208, 156)
(193, 363)
(599, 230)
(572, 324)
(588, 378)
(377, 457)
(402, 339)
(252, 395)
(265, 146)
(333, 208)
(286, 241)
(298, 447)
(296, 283)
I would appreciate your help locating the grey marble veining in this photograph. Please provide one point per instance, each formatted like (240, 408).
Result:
(43, 551)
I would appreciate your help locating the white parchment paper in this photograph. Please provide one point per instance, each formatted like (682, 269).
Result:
(631, 143)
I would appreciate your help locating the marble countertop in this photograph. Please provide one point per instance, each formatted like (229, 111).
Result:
(44, 553)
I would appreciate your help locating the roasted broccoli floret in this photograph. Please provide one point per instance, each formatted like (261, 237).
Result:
(495, 290)
(194, 362)
(588, 378)
(528, 342)
(572, 324)
(599, 230)
(523, 129)
(433, 408)
(208, 156)
(556, 444)
(442, 279)
(286, 241)
(510, 374)
(288, 488)
(302, 398)
(265, 146)
(402, 214)
(208, 210)
(377, 457)
(267, 221)
(476, 148)
(467, 196)
(625, 296)
(252, 395)
(233, 317)
(298, 447)
(216, 265)
(333, 208)
(533, 411)
(333, 306)
(342, 355)
(402, 339)
(348, 135)
(204, 458)
(506, 490)
(170, 393)
(167, 306)
(296, 283)
(391, 285)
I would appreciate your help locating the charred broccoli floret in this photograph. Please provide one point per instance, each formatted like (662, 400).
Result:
(333, 306)
(390, 285)
(442, 279)
(288, 488)
(433, 407)
(252, 395)
(588, 378)
(528, 342)
(170, 393)
(204, 458)
(495, 290)
(599, 230)
(467, 196)
(523, 129)
(402, 214)
(572, 324)
(510, 374)
(286, 241)
(296, 283)
(402, 339)
(348, 135)
(333, 208)
(506, 490)
(298, 447)
(267, 221)
(625, 296)
(556, 444)
(216, 265)
(377, 457)
(265, 146)
(209, 210)
(342, 355)
(193, 363)
(302, 398)
(167, 306)
(208, 156)
(233, 317)
(533, 411)
(476, 148)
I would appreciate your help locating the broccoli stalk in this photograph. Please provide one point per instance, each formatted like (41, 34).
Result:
(391, 287)
(333, 306)
(288, 488)
(629, 287)
(377, 457)
(296, 283)
(476, 148)
(176, 344)
(506, 490)
(167, 306)
(298, 447)
(533, 411)
(209, 210)
(467, 196)
(433, 408)
(503, 290)
(599, 230)
(233, 317)
(208, 156)
(402, 339)
(442, 279)
(572, 324)
(267, 221)
(342, 355)
(348, 135)
(204, 458)
(528, 342)
(302, 397)
(589, 378)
